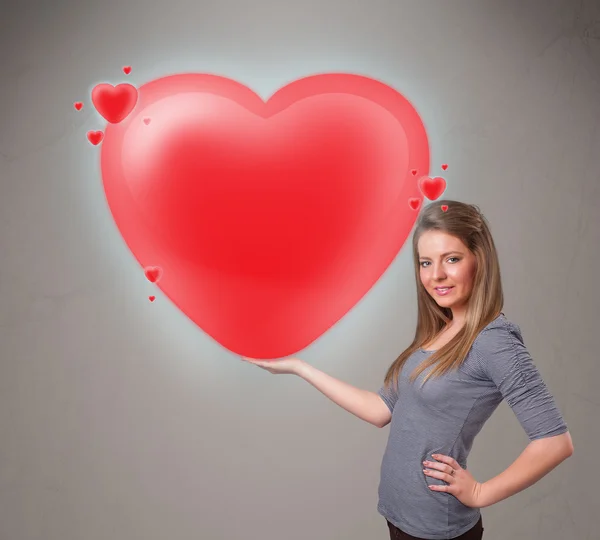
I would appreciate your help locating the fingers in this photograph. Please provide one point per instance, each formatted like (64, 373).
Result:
(441, 475)
(250, 360)
(253, 360)
(446, 469)
(437, 466)
(447, 460)
(259, 363)
(434, 474)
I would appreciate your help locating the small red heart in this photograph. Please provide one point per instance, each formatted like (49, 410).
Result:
(444, 166)
(414, 203)
(153, 273)
(444, 207)
(78, 105)
(147, 120)
(95, 137)
(432, 188)
(152, 298)
(127, 70)
(414, 172)
(114, 103)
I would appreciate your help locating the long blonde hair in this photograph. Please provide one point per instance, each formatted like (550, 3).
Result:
(463, 221)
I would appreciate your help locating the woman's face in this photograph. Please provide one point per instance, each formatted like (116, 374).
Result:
(447, 268)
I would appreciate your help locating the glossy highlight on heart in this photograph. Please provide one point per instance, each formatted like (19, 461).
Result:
(270, 220)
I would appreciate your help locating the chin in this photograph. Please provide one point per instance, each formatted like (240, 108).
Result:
(446, 302)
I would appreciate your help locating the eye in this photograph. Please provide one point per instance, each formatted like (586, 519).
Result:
(423, 263)
(455, 258)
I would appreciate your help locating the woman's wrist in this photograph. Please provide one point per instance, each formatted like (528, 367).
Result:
(302, 369)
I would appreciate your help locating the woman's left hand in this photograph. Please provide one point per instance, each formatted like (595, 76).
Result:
(461, 484)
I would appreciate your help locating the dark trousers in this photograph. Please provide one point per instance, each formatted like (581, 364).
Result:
(474, 533)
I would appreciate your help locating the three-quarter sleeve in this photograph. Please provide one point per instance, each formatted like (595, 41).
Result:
(502, 355)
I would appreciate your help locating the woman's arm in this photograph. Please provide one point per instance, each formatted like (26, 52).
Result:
(537, 460)
(367, 406)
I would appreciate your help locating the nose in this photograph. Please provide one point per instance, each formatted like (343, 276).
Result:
(438, 272)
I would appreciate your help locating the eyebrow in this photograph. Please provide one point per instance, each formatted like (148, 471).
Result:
(445, 254)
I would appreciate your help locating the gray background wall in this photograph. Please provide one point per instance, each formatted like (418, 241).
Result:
(120, 419)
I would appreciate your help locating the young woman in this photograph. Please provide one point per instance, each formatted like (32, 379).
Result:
(466, 357)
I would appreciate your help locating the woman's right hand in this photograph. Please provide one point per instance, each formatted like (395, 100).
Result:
(290, 366)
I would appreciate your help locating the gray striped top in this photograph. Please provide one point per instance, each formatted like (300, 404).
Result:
(445, 416)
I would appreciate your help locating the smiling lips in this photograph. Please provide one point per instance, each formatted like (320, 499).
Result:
(442, 291)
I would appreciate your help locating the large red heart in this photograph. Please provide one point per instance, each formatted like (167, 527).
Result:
(269, 220)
